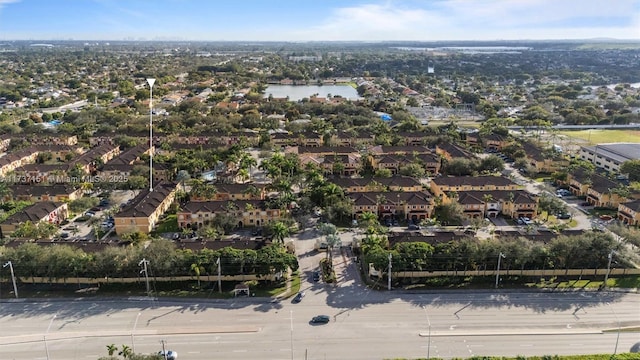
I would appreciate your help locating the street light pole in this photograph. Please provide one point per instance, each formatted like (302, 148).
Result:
(13, 277)
(164, 351)
(606, 276)
(500, 256)
(144, 263)
(151, 81)
(389, 276)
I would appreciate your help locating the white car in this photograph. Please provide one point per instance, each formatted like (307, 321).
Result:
(168, 354)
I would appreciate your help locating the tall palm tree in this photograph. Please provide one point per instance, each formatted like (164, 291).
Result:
(280, 230)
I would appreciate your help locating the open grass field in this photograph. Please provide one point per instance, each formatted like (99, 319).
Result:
(598, 136)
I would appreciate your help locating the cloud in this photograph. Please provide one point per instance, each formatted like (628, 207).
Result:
(5, 2)
(479, 20)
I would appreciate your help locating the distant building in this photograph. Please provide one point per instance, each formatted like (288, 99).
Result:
(610, 156)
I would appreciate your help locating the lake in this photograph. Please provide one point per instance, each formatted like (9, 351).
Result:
(299, 92)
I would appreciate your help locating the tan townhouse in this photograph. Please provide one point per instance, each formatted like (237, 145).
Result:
(144, 211)
(47, 211)
(197, 214)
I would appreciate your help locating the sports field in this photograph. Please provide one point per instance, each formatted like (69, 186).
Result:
(598, 136)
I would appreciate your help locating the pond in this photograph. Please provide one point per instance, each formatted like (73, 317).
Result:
(299, 92)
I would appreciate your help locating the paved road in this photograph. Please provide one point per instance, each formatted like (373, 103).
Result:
(364, 325)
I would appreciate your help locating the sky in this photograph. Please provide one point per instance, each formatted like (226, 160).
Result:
(319, 20)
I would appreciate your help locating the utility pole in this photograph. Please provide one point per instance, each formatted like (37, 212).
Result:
(144, 263)
(13, 277)
(389, 274)
(219, 276)
(500, 256)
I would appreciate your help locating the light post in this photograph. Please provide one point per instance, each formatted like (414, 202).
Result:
(151, 81)
(606, 276)
(135, 324)
(389, 271)
(13, 277)
(164, 351)
(44, 337)
(500, 257)
(429, 334)
(144, 263)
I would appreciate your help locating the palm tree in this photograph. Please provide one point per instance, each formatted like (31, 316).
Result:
(244, 174)
(125, 352)
(368, 219)
(332, 241)
(197, 269)
(380, 199)
(280, 230)
(252, 191)
(111, 349)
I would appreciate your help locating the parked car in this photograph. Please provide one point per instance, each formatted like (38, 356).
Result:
(64, 235)
(563, 216)
(316, 276)
(414, 227)
(299, 296)
(320, 319)
(168, 354)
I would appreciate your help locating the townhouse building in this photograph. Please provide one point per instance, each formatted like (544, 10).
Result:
(444, 187)
(408, 205)
(599, 190)
(491, 203)
(144, 211)
(629, 213)
(47, 211)
(51, 192)
(197, 214)
(373, 184)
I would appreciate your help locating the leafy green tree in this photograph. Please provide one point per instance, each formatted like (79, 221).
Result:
(632, 169)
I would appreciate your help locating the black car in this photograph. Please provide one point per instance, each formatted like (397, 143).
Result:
(298, 297)
(563, 216)
(320, 319)
(316, 276)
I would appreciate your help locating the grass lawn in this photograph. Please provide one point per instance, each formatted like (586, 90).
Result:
(598, 136)
(169, 224)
